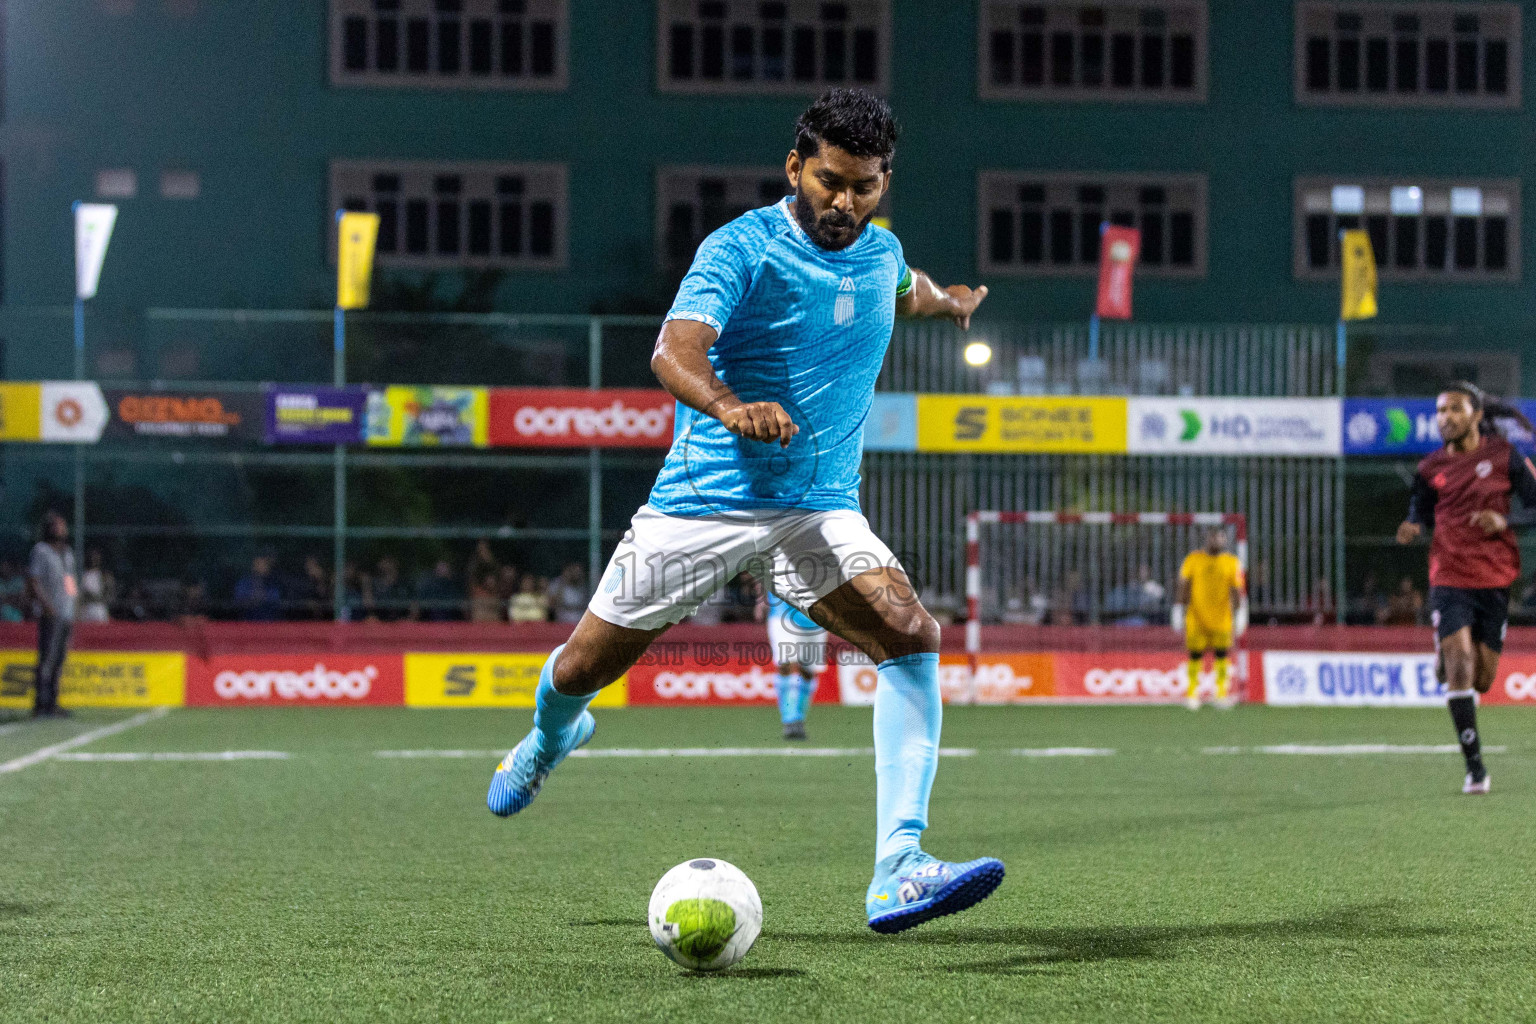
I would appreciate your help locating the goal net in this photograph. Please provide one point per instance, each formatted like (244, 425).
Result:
(1113, 575)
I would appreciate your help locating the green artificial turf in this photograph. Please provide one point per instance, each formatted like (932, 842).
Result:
(1157, 883)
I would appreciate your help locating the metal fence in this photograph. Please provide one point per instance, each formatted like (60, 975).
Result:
(161, 501)
(1131, 359)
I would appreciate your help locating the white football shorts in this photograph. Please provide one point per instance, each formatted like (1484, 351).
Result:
(666, 566)
(793, 644)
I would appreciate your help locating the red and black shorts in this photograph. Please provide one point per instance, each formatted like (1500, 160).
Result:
(1485, 610)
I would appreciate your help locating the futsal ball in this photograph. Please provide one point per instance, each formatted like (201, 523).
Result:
(705, 914)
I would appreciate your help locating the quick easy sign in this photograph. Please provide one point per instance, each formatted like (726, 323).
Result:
(1360, 680)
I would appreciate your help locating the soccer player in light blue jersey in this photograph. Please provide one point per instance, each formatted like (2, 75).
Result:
(771, 348)
(799, 650)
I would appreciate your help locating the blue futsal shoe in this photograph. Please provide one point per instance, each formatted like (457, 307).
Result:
(520, 776)
(912, 887)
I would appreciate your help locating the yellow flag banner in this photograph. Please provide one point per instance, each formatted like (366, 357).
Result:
(356, 236)
(1359, 276)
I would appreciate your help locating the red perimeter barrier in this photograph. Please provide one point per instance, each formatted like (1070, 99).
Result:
(205, 639)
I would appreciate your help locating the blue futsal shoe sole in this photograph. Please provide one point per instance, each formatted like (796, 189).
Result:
(519, 778)
(936, 889)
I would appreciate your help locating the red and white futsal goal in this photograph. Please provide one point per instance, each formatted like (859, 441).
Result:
(1099, 569)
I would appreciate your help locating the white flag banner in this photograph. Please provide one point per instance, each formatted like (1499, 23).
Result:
(73, 410)
(93, 230)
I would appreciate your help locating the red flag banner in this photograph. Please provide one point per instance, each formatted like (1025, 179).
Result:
(1119, 249)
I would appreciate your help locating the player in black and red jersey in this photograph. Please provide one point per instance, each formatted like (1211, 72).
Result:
(1461, 493)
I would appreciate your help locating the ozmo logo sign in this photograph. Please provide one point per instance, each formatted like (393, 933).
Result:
(753, 684)
(318, 683)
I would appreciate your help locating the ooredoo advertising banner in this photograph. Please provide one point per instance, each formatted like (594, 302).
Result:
(1129, 677)
(1234, 426)
(1327, 679)
(1515, 682)
(315, 415)
(199, 415)
(295, 680)
(576, 418)
(722, 681)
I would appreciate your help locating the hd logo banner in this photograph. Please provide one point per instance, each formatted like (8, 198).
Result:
(991, 423)
(1235, 426)
(1406, 426)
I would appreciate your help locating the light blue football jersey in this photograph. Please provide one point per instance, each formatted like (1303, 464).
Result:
(799, 325)
(797, 619)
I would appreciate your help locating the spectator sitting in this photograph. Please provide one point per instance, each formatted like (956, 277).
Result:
(353, 585)
(1369, 607)
(568, 594)
(256, 597)
(529, 604)
(1153, 593)
(439, 595)
(98, 589)
(1403, 607)
(13, 593)
(311, 591)
(485, 600)
(387, 597)
(483, 561)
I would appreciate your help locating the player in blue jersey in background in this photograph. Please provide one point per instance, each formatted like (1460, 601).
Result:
(771, 348)
(799, 651)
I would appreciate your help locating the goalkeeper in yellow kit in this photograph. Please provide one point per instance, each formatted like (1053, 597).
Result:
(1210, 611)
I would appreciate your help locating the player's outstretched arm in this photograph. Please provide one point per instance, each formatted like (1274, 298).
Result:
(681, 362)
(926, 298)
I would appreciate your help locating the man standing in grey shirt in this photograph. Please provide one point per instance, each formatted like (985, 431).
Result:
(51, 582)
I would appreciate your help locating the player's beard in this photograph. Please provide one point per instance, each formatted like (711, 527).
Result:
(817, 228)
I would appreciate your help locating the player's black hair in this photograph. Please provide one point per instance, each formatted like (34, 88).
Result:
(855, 121)
(1493, 408)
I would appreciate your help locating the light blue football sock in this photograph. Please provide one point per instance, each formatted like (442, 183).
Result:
(786, 685)
(807, 691)
(908, 716)
(554, 713)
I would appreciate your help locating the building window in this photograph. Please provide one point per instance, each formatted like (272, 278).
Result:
(693, 201)
(1421, 230)
(456, 215)
(1111, 50)
(449, 44)
(1048, 225)
(772, 46)
(180, 185)
(117, 183)
(1408, 54)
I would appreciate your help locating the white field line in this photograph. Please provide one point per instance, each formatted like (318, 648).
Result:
(1062, 752)
(39, 756)
(675, 752)
(1347, 749)
(177, 755)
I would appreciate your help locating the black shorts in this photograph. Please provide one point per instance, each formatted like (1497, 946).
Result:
(1485, 610)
